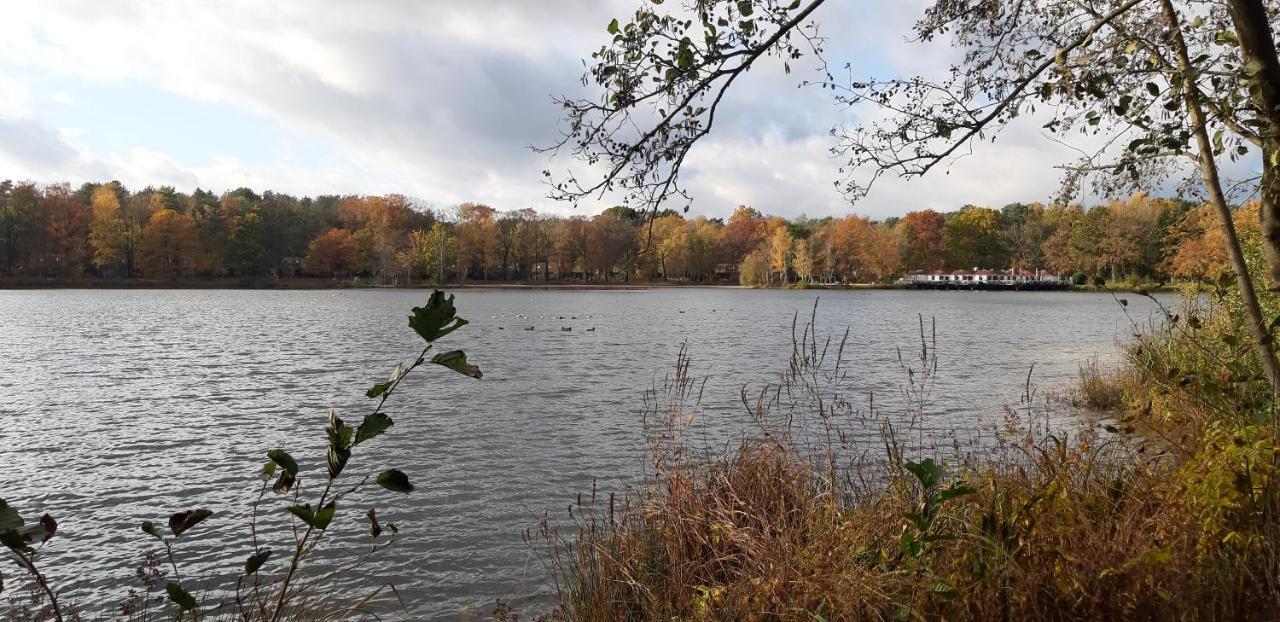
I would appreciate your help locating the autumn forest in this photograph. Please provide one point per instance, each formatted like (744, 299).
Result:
(105, 230)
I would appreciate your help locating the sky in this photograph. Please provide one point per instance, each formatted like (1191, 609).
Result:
(438, 100)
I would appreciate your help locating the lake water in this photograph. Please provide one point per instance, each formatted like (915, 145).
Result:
(123, 406)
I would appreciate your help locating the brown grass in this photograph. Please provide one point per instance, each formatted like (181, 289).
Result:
(806, 520)
(1098, 389)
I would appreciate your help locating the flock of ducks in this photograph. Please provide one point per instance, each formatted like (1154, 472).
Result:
(522, 316)
(565, 329)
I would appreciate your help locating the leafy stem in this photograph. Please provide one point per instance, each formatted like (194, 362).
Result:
(431, 322)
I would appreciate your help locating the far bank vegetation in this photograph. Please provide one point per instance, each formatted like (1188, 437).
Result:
(105, 231)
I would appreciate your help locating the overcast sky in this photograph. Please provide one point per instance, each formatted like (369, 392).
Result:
(438, 100)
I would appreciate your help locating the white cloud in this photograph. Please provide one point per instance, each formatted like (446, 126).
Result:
(15, 97)
(441, 99)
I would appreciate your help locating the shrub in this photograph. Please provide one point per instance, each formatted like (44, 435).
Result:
(805, 521)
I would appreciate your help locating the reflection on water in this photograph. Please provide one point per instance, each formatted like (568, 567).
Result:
(122, 406)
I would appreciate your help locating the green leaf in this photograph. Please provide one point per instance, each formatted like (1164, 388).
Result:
(305, 513)
(9, 517)
(372, 426)
(395, 480)
(956, 491)
(256, 561)
(437, 318)
(927, 471)
(15, 541)
(179, 596)
(613, 27)
(794, 5)
(457, 361)
(325, 515)
(382, 387)
(745, 8)
(314, 519)
(379, 389)
(150, 529)
(1153, 88)
(909, 545)
(182, 521)
(268, 470)
(286, 462)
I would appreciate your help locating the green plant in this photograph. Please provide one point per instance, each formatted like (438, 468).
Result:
(933, 496)
(23, 541)
(261, 595)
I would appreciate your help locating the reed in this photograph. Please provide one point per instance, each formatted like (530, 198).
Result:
(828, 512)
(1097, 388)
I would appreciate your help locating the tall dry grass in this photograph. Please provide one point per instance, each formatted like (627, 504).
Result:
(834, 513)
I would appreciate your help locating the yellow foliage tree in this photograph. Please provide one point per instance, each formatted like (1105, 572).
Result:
(780, 244)
(170, 246)
(803, 261)
(107, 230)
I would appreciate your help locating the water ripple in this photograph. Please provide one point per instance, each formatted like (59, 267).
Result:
(124, 406)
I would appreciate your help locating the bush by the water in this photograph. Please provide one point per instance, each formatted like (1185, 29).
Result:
(804, 521)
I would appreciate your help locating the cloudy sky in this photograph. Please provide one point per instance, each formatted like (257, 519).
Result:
(435, 99)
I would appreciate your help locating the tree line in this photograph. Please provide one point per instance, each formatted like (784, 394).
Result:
(106, 230)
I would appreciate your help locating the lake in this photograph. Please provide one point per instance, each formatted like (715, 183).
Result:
(123, 406)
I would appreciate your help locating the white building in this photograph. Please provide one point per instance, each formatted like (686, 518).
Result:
(986, 277)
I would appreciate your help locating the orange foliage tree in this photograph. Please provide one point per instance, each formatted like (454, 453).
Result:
(66, 230)
(335, 253)
(922, 236)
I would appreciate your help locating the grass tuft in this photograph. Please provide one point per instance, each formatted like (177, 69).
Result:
(828, 514)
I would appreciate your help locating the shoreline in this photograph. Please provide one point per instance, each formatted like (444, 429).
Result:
(304, 283)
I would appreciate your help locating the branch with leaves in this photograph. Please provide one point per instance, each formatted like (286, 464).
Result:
(669, 72)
